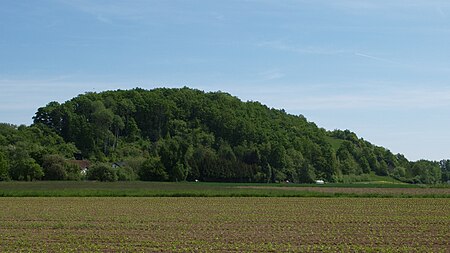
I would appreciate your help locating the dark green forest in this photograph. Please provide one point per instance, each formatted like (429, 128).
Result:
(186, 135)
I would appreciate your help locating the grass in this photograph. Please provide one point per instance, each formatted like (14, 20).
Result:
(205, 189)
(384, 179)
(335, 143)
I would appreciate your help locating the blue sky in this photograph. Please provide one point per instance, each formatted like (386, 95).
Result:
(380, 68)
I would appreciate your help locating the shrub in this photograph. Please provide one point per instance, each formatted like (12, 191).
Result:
(125, 174)
(54, 167)
(73, 172)
(25, 169)
(102, 172)
(153, 170)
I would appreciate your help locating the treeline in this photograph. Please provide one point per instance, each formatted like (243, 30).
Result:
(27, 152)
(185, 134)
(357, 156)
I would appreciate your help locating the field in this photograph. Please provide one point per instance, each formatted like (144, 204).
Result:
(270, 224)
(222, 217)
(192, 189)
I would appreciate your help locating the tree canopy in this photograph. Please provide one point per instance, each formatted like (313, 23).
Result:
(187, 134)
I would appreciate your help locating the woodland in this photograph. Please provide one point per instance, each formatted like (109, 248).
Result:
(187, 135)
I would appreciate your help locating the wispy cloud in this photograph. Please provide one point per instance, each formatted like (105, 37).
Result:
(271, 74)
(103, 19)
(316, 50)
(143, 12)
(441, 12)
(107, 12)
(298, 98)
(373, 57)
(289, 47)
(386, 4)
(357, 5)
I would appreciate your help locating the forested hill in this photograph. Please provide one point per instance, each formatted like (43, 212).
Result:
(186, 134)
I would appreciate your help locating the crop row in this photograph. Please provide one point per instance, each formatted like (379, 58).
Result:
(224, 224)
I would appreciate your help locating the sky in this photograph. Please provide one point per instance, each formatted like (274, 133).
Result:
(379, 68)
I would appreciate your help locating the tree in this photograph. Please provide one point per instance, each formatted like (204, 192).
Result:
(102, 172)
(399, 173)
(4, 166)
(153, 170)
(306, 174)
(54, 168)
(125, 173)
(26, 169)
(197, 135)
(427, 172)
(118, 125)
(445, 170)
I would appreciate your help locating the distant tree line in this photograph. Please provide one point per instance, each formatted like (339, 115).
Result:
(185, 134)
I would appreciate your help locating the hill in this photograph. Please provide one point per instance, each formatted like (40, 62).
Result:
(186, 134)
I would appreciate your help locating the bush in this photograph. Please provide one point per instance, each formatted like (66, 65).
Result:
(134, 163)
(102, 172)
(73, 172)
(26, 169)
(153, 170)
(54, 167)
(125, 174)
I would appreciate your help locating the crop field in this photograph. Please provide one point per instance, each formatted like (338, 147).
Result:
(202, 189)
(269, 224)
(359, 190)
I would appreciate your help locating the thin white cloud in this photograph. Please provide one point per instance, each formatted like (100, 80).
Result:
(386, 4)
(285, 46)
(106, 12)
(103, 19)
(373, 57)
(271, 74)
(441, 12)
(369, 56)
(356, 5)
(400, 97)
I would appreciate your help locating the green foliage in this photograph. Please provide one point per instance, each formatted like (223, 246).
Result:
(445, 170)
(26, 169)
(306, 174)
(73, 172)
(399, 173)
(153, 170)
(126, 173)
(56, 167)
(4, 167)
(426, 172)
(102, 172)
(196, 135)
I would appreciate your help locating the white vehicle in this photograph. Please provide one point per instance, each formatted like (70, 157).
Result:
(320, 182)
